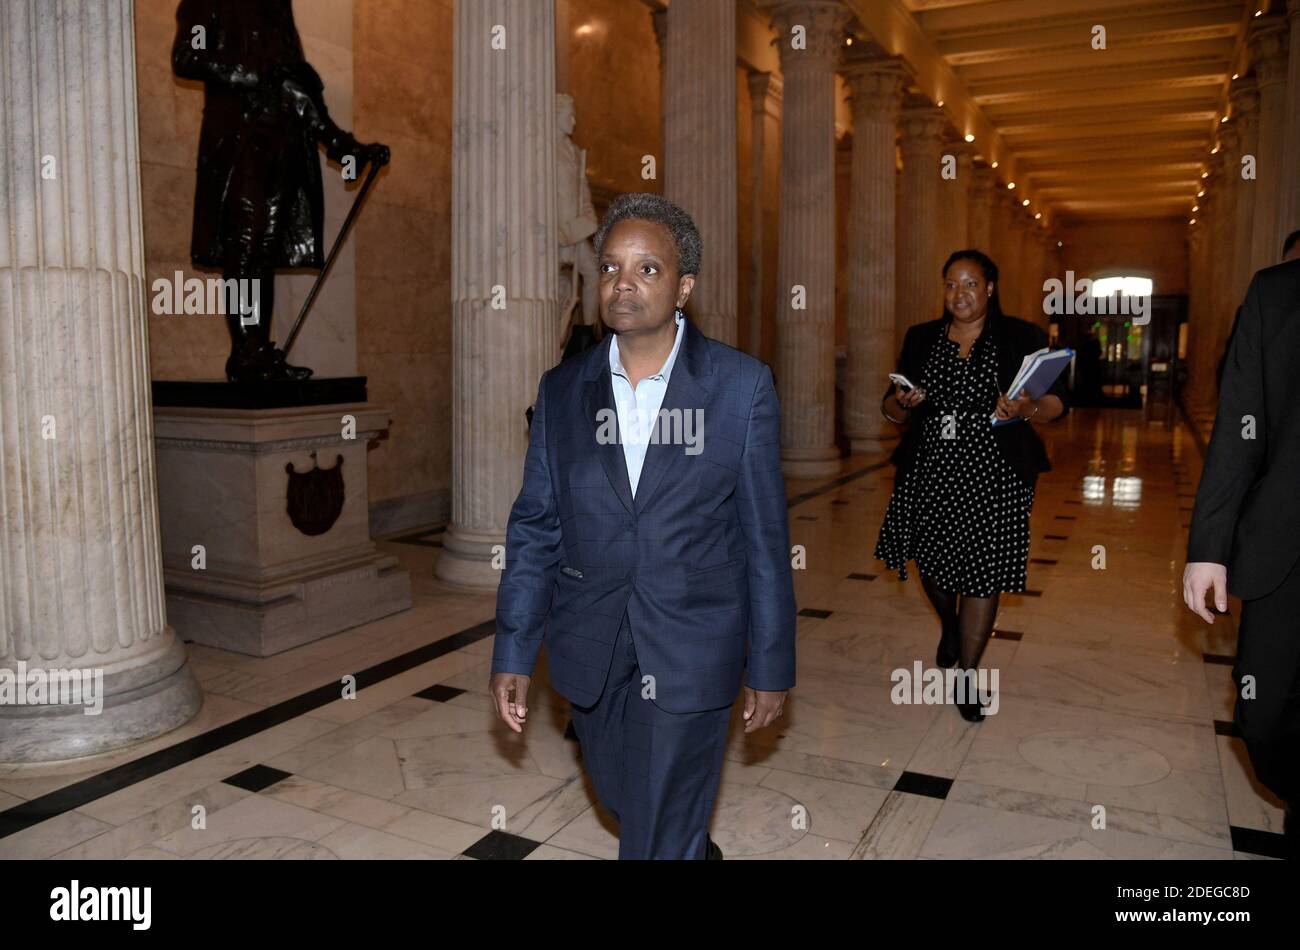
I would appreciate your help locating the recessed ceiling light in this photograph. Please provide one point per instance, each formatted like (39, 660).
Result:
(1038, 215)
(1196, 207)
(1193, 221)
(969, 137)
(1201, 193)
(939, 103)
(1236, 75)
(1011, 186)
(1025, 203)
(994, 165)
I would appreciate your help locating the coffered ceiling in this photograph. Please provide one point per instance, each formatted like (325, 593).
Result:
(1116, 132)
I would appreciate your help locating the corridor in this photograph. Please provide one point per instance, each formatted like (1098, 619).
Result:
(1113, 738)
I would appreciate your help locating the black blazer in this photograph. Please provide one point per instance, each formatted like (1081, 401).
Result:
(1016, 339)
(1247, 515)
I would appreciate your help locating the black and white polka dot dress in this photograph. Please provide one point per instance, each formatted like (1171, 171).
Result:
(961, 512)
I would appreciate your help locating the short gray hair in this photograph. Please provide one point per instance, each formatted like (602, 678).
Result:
(644, 206)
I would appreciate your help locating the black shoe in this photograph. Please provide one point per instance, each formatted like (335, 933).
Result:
(712, 852)
(264, 364)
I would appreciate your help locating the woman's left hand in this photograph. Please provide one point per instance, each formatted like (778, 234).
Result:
(1018, 408)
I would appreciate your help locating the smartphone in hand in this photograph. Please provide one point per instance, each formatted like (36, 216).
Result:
(903, 382)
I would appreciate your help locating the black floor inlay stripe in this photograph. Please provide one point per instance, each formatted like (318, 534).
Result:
(72, 796)
(257, 778)
(810, 612)
(1219, 658)
(1067, 517)
(918, 783)
(1008, 634)
(839, 501)
(1226, 727)
(1073, 501)
(805, 517)
(439, 693)
(1252, 841)
(501, 846)
(1041, 560)
(831, 486)
(862, 577)
(1056, 537)
(1027, 593)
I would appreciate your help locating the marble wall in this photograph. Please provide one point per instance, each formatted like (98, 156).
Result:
(1144, 248)
(402, 97)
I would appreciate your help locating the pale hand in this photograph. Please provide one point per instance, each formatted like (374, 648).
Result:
(1200, 577)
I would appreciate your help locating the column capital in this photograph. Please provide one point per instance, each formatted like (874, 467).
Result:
(823, 23)
(1267, 40)
(875, 83)
(1243, 94)
(765, 93)
(922, 125)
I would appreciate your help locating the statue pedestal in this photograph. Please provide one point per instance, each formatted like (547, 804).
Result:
(258, 559)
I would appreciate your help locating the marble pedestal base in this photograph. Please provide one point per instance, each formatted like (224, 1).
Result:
(240, 575)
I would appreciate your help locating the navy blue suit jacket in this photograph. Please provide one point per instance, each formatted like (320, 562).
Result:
(699, 560)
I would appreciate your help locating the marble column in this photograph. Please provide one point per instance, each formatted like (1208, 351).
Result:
(504, 274)
(805, 365)
(1196, 306)
(764, 195)
(699, 116)
(1245, 116)
(1288, 204)
(954, 199)
(1012, 266)
(875, 85)
(1202, 334)
(81, 592)
(979, 224)
(1228, 169)
(920, 285)
(1268, 37)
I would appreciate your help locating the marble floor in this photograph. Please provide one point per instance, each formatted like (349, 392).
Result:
(1113, 738)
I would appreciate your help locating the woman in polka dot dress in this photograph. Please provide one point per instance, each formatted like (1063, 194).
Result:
(964, 488)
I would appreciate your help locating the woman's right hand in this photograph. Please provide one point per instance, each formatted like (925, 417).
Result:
(908, 398)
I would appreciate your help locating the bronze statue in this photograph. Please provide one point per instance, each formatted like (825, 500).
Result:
(258, 202)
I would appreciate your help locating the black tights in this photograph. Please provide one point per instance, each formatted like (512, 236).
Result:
(970, 619)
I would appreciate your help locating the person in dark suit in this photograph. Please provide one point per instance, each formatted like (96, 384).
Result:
(1245, 534)
(1290, 252)
(964, 487)
(655, 569)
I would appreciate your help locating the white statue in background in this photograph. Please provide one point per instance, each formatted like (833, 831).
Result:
(576, 218)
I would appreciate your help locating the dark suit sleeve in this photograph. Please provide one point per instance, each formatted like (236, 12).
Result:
(533, 551)
(1232, 462)
(203, 62)
(760, 498)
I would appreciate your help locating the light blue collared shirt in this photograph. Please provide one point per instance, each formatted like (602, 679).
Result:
(638, 411)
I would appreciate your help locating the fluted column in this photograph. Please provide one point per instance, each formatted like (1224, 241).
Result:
(1197, 241)
(1245, 115)
(1012, 267)
(920, 285)
(1288, 204)
(81, 591)
(1202, 334)
(805, 364)
(765, 187)
(954, 197)
(699, 115)
(504, 279)
(979, 224)
(875, 85)
(1268, 37)
(1228, 170)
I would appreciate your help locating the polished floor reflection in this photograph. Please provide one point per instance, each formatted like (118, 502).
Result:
(1113, 737)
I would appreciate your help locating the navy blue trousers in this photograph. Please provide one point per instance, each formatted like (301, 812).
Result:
(656, 772)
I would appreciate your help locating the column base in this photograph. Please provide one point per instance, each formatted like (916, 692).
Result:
(872, 444)
(467, 559)
(140, 704)
(811, 463)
